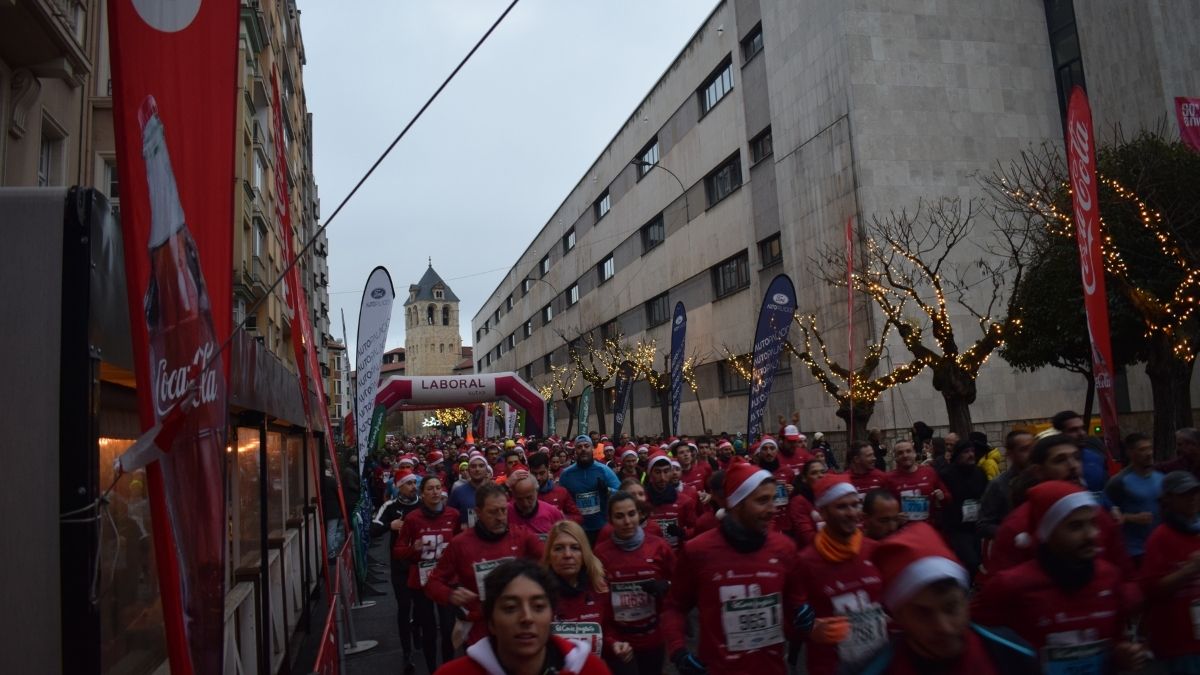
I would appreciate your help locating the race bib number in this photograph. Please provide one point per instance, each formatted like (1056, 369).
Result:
(868, 632)
(581, 631)
(915, 506)
(667, 526)
(588, 503)
(483, 569)
(752, 623)
(781, 495)
(423, 569)
(630, 603)
(970, 510)
(1088, 658)
(471, 517)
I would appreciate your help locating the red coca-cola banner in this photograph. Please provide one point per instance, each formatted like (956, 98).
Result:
(850, 319)
(1081, 164)
(174, 94)
(1187, 111)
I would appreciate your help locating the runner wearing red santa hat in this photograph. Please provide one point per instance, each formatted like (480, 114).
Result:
(925, 592)
(673, 511)
(843, 586)
(1067, 603)
(741, 578)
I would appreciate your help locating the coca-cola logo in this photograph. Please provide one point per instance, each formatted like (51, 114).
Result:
(171, 383)
(1084, 200)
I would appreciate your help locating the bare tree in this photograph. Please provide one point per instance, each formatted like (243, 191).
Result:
(923, 260)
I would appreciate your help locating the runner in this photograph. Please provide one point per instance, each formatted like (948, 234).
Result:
(1171, 576)
(1069, 605)
(519, 610)
(462, 495)
(881, 514)
(741, 577)
(919, 488)
(639, 568)
(925, 592)
(550, 491)
(766, 455)
(390, 518)
(692, 473)
(458, 576)
(801, 513)
(965, 482)
(842, 585)
(997, 498)
(584, 611)
(673, 512)
(422, 539)
(860, 459)
(589, 483)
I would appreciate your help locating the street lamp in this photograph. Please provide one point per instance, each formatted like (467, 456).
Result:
(641, 163)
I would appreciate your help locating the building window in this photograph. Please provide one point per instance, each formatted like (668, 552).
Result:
(478, 334)
(526, 284)
(486, 328)
(731, 275)
(546, 363)
(760, 146)
(658, 310)
(50, 158)
(488, 358)
(723, 180)
(731, 381)
(653, 234)
(512, 340)
(752, 44)
(499, 351)
(111, 182)
(608, 331)
(479, 365)
(445, 315)
(528, 331)
(260, 240)
(607, 268)
(544, 266)
(547, 314)
(603, 205)
(438, 294)
(429, 314)
(528, 372)
(1064, 49)
(770, 250)
(573, 294)
(568, 241)
(496, 316)
(508, 302)
(647, 158)
(716, 87)
(441, 348)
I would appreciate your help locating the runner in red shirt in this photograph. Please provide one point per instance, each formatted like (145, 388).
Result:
(766, 455)
(741, 578)
(672, 511)
(1170, 576)
(638, 567)
(551, 492)
(584, 611)
(843, 586)
(919, 488)
(925, 592)
(1069, 605)
(803, 515)
(724, 454)
(793, 450)
(423, 537)
(692, 473)
(860, 463)
(458, 576)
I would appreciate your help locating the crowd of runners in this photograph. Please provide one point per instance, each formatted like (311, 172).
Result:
(589, 554)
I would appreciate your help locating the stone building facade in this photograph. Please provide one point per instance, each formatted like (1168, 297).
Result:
(432, 343)
(777, 122)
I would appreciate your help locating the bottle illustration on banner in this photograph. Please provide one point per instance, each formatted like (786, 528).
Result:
(182, 340)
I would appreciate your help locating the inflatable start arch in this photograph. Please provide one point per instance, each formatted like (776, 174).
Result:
(423, 392)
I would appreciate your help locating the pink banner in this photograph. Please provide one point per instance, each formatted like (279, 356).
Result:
(1187, 111)
(1081, 161)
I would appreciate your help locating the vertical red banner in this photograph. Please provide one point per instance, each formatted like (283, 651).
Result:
(1081, 165)
(1187, 112)
(174, 94)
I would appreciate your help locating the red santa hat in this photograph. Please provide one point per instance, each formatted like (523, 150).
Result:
(1049, 504)
(407, 459)
(628, 451)
(725, 444)
(434, 458)
(832, 487)
(675, 463)
(912, 559)
(791, 433)
(405, 476)
(742, 478)
(765, 441)
(656, 457)
(477, 455)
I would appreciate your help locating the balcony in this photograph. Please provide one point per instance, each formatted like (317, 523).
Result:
(46, 36)
(258, 276)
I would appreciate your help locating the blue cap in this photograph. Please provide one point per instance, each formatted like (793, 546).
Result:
(583, 438)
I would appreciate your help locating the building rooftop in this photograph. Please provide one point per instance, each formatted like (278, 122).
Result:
(423, 289)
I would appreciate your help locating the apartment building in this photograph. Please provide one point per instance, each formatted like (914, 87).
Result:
(777, 122)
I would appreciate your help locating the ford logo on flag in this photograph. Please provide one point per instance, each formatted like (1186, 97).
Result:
(678, 320)
(378, 293)
(780, 299)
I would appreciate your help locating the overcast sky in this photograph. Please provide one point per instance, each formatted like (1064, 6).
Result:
(485, 167)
